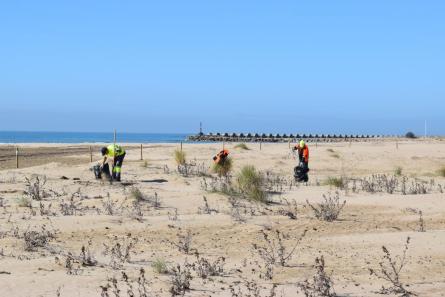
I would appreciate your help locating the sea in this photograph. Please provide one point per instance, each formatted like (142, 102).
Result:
(89, 137)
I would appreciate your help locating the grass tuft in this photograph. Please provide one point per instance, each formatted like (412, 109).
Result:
(159, 266)
(338, 182)
(180, 157)
(250, 183)
(398, 171)
(442, 171)
(223, 168)
(24, 201)
(242, 146)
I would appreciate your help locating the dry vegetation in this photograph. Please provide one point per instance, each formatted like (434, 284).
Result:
(249, 230)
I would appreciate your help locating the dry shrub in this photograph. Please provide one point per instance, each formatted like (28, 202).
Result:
(390, 269)
(321, 284)
(329, 209)
(180, 279)
(276, 249)
(34, 239)
(126, 287)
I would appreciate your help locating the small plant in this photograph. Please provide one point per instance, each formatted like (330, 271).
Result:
(329, 209)
(224, 167)
(242, 146)
(338, 182)
(180, 279)
(321, 284)
(35, 239)
(110, 207)
(204, 268)
(180, 157)
(330, 150)
(390, 269)
(206, 209)
(24, 201)
(421, 227)
(116, 288)
(184, 242)
(35, 187)
(120, 251)
(136, 194)
(71, 207)
(398, 171)
(252, 289)
(159, 266)
(275, 251)
(144, 164)
(442, 171)
(250, 184)
(290, 210)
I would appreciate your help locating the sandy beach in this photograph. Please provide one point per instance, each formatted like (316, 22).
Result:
(95, 230)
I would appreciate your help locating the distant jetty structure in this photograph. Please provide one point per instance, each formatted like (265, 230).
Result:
(256, 137)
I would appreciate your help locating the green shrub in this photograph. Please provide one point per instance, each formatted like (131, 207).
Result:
(442, 171)
(242, 146)
(159, 266)
(338, 182)
(223, 168)
(250, 183)
(398, 171)
(24, 201)
(180, 157)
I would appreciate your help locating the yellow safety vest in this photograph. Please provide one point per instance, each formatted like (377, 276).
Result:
(115, 150)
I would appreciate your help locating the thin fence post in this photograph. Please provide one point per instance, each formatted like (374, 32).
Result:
(114, 137)
(17, 157)
(141, 153)
(397, 145)
(91, 154)
(260, 144)
(289, 143)
(181, 146)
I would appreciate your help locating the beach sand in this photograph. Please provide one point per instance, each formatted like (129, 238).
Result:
(103, 214)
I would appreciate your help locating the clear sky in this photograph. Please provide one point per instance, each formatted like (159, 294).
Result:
(373, 66)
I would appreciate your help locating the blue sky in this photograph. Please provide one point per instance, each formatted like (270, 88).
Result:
(254, 66)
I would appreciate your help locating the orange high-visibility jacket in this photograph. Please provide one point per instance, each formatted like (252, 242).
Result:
(221, 156)
(303, 153)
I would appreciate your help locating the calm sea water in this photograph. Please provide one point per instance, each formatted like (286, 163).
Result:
(89, 137)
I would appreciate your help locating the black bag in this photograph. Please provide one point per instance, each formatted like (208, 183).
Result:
(97, 172)
(300, 173)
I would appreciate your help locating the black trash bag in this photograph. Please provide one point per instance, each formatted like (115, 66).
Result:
(97, 172)
(300, 173)
(105, 171)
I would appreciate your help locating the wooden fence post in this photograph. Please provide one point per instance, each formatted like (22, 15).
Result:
(260, 144)
(181, 146)
(17, 157)
(91, 154)
(142, 158)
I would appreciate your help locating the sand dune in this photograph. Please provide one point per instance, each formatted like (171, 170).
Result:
(81, 211)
